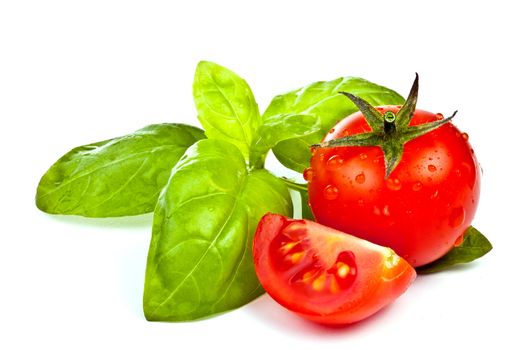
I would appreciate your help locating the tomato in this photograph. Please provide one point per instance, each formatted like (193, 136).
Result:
(421, 209)
(323, 274)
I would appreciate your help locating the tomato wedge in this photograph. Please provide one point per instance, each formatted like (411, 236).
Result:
(325, 275)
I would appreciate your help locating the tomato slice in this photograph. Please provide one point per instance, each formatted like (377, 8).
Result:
(326, 275)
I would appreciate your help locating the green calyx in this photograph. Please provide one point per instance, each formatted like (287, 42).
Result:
(390, 130)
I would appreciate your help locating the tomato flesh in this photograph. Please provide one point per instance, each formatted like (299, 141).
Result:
(420, 210)
(323, 274)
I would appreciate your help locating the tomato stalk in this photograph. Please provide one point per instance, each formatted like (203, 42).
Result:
(389, 123)
(390, 131)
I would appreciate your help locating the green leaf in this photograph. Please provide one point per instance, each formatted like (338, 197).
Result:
(322, 99)
(225, 104)
(306, 211)
(200, 258)
(474, 246)
(302, 188)
(277, 128)
(117, 177)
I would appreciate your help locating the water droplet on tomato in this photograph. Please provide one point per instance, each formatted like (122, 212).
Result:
(439, 116)
(360, 178)
(434, 195)
(330, 192)
(457, 172)
(376, 160)
(457, 217)
(417, 186)
(393, 184)
(464, 136)
(386, 210)
(363, 156)
(459, 240)
(431, 168)
(308, 174)
(377, 211)
(334, 162)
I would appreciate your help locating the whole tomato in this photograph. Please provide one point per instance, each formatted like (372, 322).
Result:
(411, 184)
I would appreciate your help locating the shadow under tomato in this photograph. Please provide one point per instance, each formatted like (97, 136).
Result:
(272, 313)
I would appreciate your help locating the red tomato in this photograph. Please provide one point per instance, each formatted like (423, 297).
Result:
(420, 210)
(326, 275)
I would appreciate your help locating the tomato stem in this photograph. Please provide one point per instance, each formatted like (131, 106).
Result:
(389, 123)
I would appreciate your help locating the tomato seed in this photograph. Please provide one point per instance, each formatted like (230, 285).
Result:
(319, 283)
(296, 257)
(285, 249)
(342, 269)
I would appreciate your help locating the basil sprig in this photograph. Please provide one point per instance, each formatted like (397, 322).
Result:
(208, 188)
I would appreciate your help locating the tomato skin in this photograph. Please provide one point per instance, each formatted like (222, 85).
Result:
(420, 210)
(376, 283)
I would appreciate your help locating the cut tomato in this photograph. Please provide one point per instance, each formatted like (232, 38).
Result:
(326, 275)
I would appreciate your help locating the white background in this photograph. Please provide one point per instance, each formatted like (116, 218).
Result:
(74, 72)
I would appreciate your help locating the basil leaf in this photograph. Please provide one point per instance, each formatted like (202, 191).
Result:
(277, 128)
(117, 177)
(200, 260)
(322, 99)
(474, 246)
(226, 106)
